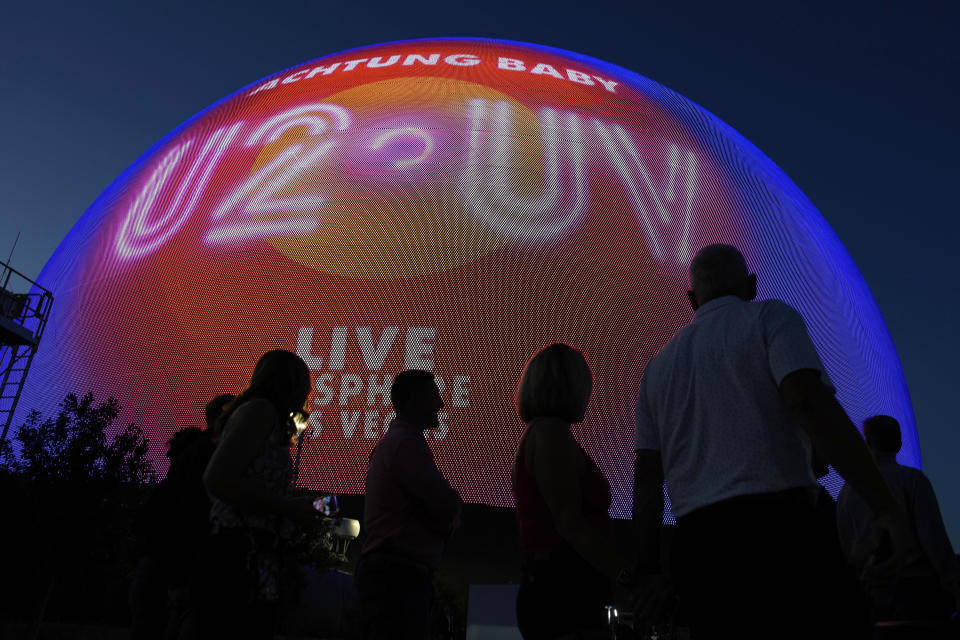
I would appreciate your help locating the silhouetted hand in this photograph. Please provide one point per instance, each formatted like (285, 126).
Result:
(301, 510)
(879, 554)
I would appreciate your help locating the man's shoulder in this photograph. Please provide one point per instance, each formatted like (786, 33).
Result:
(773, 308)
(767, 306)
(668, 350)
(396, 437)
(904, 473)
(772, 319)
(748, 311)
(657, 361)
(666, 358)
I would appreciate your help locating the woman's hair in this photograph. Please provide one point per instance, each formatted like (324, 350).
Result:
(557, 383)
(280, 377)
(215, 407)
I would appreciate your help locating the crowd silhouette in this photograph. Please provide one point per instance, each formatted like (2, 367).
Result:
(736, 416)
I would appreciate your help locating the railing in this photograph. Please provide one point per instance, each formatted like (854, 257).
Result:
(24, 307)
(24, 310)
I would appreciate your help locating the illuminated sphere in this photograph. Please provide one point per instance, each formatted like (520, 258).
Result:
(446, 204)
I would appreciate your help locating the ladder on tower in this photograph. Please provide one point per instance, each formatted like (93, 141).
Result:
(24, 310)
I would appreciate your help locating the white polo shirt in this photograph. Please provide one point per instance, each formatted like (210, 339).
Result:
(710, 404)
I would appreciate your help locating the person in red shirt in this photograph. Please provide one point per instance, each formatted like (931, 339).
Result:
(409, 512)
(562, 502)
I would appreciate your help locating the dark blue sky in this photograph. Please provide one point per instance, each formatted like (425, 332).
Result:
(857, 103)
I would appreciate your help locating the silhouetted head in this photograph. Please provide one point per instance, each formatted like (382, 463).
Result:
(215, 407)
(720, 270)
(416, 398)
(556, 383)
(280, 377)
(882, 434)
(182, 440)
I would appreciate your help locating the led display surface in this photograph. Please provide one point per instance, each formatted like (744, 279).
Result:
(446, 204)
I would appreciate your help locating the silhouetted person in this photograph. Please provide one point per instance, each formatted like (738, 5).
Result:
(171, 529)
(188, 524)
(409, 512)
(214, 410)
(727, 412)
(252, 514)
(928, 586)
(148, 588)
(562, 501)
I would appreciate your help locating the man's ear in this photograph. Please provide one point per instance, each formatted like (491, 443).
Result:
(692, 297)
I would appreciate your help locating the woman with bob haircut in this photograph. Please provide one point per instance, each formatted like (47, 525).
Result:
(248, 479)
(562, 501)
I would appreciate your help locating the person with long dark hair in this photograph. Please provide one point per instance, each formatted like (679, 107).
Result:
(562, 501)
(249, 480)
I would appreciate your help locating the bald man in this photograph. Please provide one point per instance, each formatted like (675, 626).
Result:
(727, 413)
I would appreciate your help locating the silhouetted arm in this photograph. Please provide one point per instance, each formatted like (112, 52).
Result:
(798, 371)
(647, 487)
(557, 465)
(818, 412)
(846, 528)
(417, 473)
(648, 509)
(244, 437)
(931, 533)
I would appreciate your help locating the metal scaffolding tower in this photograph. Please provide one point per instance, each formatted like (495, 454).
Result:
(24, 309)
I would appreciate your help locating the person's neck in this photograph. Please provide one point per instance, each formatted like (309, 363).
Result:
(554, 420)
(722, 295)
(408, 422)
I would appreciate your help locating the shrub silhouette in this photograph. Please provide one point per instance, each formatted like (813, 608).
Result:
(69, 486)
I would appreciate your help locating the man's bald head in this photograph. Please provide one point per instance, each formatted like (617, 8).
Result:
(720, 270)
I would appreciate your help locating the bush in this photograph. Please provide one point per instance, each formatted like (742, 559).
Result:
(72, 448)
(69, 493)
